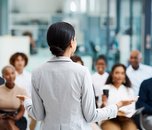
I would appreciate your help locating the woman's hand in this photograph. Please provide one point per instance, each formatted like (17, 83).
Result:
(22, 97)
(104, 101)
(124, 103)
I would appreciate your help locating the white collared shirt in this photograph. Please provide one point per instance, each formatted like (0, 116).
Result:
(138, 76)
(98, 82)
(24, 80)
(122, 93)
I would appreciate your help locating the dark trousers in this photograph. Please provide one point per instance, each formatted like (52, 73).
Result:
(22, 123)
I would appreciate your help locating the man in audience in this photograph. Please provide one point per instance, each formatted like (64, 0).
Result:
(137, 72)
(145, 100)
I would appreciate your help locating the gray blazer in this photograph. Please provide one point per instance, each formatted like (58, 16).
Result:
(63, 97)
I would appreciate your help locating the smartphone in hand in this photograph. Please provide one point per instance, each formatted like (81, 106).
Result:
(106, 92)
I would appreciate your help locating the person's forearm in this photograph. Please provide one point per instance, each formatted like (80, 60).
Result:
(20, 113)
(36, 114)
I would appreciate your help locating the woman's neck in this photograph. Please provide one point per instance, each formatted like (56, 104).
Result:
(67, 54)
(19, 71)
(117, 85)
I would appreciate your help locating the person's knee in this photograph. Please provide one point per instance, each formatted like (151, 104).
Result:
(129, 126)
(109, 125)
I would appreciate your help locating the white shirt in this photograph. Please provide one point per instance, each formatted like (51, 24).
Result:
(24, 80)
(98, 82)
(138, 76)
(122, 93)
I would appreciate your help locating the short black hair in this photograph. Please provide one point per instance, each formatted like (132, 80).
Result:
(127, 82)
(16, 55)
(101, 57)
(59, 36)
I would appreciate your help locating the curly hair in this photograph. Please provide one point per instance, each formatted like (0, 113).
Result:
(16, 55)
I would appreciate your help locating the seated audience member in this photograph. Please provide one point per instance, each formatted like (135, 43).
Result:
(11, 108)
(117, 88)
(99, 78)
(77, 59)
(1, 81)
(23, 78)
(137, 72)
(145, 100)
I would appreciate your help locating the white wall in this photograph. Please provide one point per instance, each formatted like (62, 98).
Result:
(37, 6)
(124, 43)
(10, 45)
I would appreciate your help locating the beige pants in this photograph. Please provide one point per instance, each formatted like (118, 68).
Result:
(119, 123)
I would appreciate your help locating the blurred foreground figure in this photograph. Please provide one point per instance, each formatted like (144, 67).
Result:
(145, 100)
(33, 49)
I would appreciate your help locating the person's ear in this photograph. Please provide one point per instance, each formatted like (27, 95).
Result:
(71, 43)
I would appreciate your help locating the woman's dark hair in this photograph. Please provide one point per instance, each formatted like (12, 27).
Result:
(101, 57)
(127, 82)
(16, 55)
(76, 58)
(59, 36)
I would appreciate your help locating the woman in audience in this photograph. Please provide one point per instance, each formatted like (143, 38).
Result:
(23, 78)
(99, 78)
(117, 88)
(11, 108)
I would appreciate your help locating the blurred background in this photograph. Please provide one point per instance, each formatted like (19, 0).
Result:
(110, 27)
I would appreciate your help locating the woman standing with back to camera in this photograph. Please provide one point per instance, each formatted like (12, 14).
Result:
(62, 95)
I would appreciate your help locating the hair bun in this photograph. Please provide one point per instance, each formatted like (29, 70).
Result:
(56, 50)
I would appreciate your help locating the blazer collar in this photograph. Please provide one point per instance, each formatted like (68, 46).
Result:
(60, 59)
